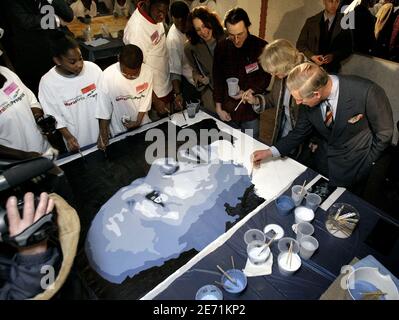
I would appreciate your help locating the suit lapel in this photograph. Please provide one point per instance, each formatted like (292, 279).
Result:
(337, 26)
(344, 105)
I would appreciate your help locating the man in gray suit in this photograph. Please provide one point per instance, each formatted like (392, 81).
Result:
(323, 40)
(352, 115)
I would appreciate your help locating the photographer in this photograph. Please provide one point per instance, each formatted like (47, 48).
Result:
(20, 275)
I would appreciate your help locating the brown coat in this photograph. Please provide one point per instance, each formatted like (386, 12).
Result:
(275, 99)
(200, 58)
(68, 235)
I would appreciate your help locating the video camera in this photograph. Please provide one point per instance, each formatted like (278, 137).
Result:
(47, 124)
(17, 178)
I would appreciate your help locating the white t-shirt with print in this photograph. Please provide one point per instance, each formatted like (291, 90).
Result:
(72, 101)
(18, 128)
(123, 97)
(79, 9)
(151, 39)
(178, 62)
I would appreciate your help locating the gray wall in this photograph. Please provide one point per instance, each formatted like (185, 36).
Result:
(285, 19)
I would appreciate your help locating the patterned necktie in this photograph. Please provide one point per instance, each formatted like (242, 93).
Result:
(329, 119)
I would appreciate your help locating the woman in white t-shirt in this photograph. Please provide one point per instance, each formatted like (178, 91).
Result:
(125, 94)
(69, 93)
(18, 110)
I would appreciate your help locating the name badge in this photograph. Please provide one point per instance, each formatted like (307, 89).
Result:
(251, 67)
(89, 88)
(10, 88)
(142, 87)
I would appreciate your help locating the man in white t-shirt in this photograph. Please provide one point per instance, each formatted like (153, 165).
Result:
(125, 94)
(18, 110)
(181, 72)
(68, 92)
(146, 30)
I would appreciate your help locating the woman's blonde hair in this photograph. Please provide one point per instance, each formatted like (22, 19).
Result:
(306, 79)
(280, 56)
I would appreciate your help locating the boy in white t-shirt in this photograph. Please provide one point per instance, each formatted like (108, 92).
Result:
(68, 92)
(125, 94)
(18, 110)
(181, 72)
(146, 30)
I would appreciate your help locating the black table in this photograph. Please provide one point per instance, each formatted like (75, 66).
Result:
(110, 49)
(377, 234)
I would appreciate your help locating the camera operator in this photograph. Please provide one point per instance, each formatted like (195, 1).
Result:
(21, 275)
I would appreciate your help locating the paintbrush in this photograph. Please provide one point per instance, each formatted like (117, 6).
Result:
(241, 101)
(267, 244)
(224, 285)
(81, 154)
(232, 262)
(227, 275)
(338, 212)
(103, 150)
(374, 295)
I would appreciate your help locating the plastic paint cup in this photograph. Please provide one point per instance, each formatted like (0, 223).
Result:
(233, 88)
(296, 194)
(284, 204)
(308, 245)
(303, 214)
(313, 201)
(304, 229)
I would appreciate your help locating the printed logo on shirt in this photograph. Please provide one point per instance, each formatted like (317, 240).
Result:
(9, 104)
(10, 88)
(129, 97)
(156, 37)
(89, 88)
(142, 87)
(251, 67)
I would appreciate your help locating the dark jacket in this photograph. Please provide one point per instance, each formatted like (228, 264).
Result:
(230, 61)
(20, 276)
(31, 54)
(340, 44)
(351, 147)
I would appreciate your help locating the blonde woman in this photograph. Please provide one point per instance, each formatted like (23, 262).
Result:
(278, 58)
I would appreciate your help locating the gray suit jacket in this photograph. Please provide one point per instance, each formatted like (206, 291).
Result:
(351, 146)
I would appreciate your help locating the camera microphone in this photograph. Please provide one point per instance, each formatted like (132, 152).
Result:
(24, 171)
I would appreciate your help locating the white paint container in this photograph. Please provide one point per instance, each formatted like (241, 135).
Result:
(303, 214)
(285, 267)
(257, 253)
